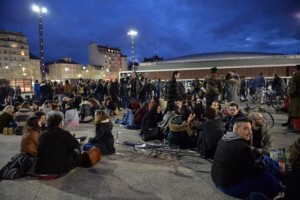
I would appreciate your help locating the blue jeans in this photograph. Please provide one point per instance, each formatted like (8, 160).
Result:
(266, 184)
(125, 101)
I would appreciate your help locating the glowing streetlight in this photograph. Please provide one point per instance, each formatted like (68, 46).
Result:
(132, 34)
(40, 11)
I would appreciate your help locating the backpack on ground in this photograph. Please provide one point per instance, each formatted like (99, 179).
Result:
(17, 167)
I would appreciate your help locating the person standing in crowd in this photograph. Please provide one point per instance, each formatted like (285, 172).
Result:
(171, 92)
(99, 91)
(157, 88)
(294, 97)
(260, 84)
(237, 170)
(135, 86)
(123, 92)
(277, 84)
(231, 87)
(213, 86)
(104, 138)
(68, 89)
(243, 89)
(113, 92)
(46, 91)
(58, 151)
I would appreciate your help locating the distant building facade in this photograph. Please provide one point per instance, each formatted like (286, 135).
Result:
(244, 63)
(16, 66)
(108, 59)
(66, 68)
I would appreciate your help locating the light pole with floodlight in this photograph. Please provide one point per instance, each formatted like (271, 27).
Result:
(40, 11)
(132, 34)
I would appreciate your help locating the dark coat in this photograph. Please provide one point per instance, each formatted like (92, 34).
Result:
(151, 120)
(209, 136)
(231, 119)
(104, 138)
(56, 153)
(171, 93)
(292, 185)
(233, 162)
(5, 120)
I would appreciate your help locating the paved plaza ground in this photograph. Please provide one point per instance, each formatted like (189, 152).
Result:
(128, 174)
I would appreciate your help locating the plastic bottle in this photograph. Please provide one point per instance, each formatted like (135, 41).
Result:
(284, 159)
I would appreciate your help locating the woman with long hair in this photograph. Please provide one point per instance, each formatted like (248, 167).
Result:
(30, 135)
(71, 116)
(103, 136)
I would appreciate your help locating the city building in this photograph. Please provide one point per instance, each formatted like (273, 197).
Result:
(108, 59)
(248, 64)
(66, 68)
(16, 66)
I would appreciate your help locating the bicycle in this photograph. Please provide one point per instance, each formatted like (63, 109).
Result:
(187, 158)
(269, 119)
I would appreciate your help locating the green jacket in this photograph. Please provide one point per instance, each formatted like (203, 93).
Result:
(212, 84)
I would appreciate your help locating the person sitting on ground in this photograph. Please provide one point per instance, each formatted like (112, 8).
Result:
(180, 129)
(35, 106)
(237, 170)
(7, 120)
(46, 107)
(151, 118)
(30, 136)
(217, 107)
(71, 116)
(261, 136)
(95, 105)
(42, 117)
(210, 133)
(56, 110)
(58, 151)
(139, 115)
(164, 124)
(234, 113)
(103, 138)
(21, 117)
(86, 114)
(111, 106)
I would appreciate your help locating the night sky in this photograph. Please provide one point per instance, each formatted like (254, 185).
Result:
(168, 28)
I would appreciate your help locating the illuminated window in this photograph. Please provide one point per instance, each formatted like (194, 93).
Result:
(14, 45)
(22, 53)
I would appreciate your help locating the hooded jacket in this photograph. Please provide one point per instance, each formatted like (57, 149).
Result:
(234, 161)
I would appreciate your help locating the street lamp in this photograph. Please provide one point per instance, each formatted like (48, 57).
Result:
(132, 34)
(41, 10)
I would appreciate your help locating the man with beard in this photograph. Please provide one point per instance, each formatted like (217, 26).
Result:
(260, 138)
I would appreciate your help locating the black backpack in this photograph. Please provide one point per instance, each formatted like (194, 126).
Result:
(17, 167)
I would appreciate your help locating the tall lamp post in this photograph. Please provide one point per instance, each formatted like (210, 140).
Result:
(40, 11)
(132, 34)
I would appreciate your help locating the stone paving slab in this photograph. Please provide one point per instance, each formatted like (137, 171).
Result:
(128, 174)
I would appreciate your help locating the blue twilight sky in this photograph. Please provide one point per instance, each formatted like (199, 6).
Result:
(168, 28)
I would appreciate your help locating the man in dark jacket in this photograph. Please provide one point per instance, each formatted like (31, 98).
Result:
(171, 92)
(237, 170)
(234, 113)
(58, 151)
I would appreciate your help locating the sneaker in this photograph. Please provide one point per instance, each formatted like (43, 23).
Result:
(5, 131)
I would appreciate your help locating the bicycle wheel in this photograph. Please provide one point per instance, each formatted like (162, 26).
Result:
(253, 101)
(268, 118)
(277, 103)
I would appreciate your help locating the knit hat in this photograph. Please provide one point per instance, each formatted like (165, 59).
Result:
(214, 70)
